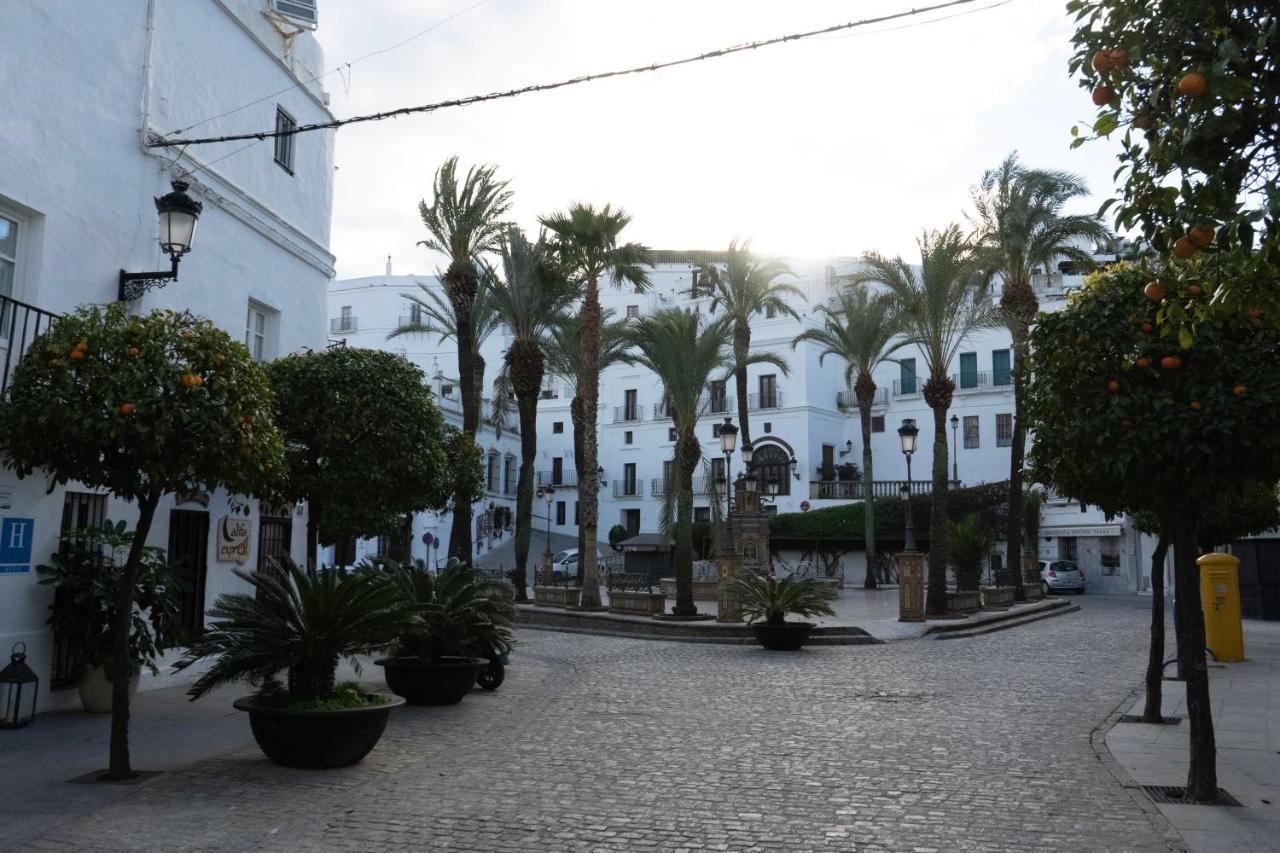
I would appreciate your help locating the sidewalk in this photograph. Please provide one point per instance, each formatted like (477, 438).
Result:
(1245, 698)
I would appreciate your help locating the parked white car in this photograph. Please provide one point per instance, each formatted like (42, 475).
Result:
(565, 564)
(1061, 576)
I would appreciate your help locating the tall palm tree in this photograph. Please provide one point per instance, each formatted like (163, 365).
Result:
(464, 222)
(588, 245)
(747, 286)
(683, 358)
(529, 297)
(940, 307)
(1018, 226)
(564, 360)
(861, 331)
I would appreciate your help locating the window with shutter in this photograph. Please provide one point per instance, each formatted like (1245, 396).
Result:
(301, 12)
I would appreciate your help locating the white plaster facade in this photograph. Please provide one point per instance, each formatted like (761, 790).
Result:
(98, 80)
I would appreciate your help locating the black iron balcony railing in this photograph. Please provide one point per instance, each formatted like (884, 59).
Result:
(344, 324)
(20, 325)
(701, 485)
(627, 414)
(555, 478)
(908, 387)
(625, 488)
(848, 399)
(767, 400)
(858, 489)
(708, 405)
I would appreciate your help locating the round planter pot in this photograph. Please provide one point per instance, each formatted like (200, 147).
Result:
(421, 683)
(787, 637)
(315, 740)
(95, 689)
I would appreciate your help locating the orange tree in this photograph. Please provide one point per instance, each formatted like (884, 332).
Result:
(1127, 417)
(140, 405)
(366, 442)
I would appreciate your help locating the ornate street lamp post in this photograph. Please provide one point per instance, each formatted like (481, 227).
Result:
(178, 214)
(955, 451)
(547, 493)
(728, 441)
(910, 561)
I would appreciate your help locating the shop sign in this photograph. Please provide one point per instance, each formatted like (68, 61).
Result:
(15, 545)
(233, 539)
(1100, 530)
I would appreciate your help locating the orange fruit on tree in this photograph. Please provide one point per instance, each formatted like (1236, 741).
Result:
(1147, 328)
(1103, 95)
(133, 352)
(1171, 362)
(1119, 58)
(1183, 248)
(1113, 386)
(1102, 61)
(1193, 85)
(126, 408)
(1194, 289)
(187, 334)
(1255, 313)
(1142, 361)
(1126, 423)
(1238, 390)
(76, 355)
(188, 381)
(54, 362)
(1196, 406)
(197, 380)
(1201, 235)
(1154, 291)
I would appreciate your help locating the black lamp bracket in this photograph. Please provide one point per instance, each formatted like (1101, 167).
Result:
(134, 284)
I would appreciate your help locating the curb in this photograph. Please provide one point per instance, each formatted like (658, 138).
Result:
(1004, 623)
(676, 632)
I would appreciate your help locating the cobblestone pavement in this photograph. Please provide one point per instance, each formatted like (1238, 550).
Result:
(594, 743)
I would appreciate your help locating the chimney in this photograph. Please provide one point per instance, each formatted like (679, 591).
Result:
(388, 266)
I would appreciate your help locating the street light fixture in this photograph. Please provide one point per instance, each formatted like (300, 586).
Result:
(795, 465)
(599, 478)
(178, 214)
(746, 454)
(907, 434)
(728, 441)
(955, 451)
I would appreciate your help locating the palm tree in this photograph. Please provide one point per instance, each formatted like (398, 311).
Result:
(588, 247)
(940, 307)
(683, 358)
(564, 360)
(464, 221)
(1018, 226)
(529, 297)
(861, 331)
(745, 287)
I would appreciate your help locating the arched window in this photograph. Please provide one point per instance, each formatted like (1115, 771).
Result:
(772, 463)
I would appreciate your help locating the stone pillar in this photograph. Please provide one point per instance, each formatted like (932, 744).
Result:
(730, 608)
(911, 586)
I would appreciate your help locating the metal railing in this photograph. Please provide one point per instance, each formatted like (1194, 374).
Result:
(848, 399)
(344, 324)
(772, 400)
(628, 414)
(20, 325)
(708, 405)
(623, 488)
(411, 320)
(858, 489)
(550, 478)
(701, 485)
(906, 389)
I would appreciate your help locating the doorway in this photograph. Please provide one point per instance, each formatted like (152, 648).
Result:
(189, 552)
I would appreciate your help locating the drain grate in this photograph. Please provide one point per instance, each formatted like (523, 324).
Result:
(1137, 718)
(1172, 795)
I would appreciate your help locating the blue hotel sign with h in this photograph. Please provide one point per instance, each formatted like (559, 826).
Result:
(15, 545)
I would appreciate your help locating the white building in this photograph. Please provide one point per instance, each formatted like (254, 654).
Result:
(99, 82)
(363, 312)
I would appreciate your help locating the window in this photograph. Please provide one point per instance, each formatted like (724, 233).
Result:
(1109, 554)
(8, 255)
(258, 330)
(907, 376)
(828, 461)
(284, 144)
(715, 430)
(772, 463)
(968, 370)
(633, 312)
(719, 402)
(491, 480)
(768, 391)
(877, 423)
(575, 513)
(628, 437)
(189, 553)
(1004, 430)
(671, 433)
(629, 478)
(630, 411)
(557, 471)
(768, 427)
(970, 432)
(557, 427)
(509, 476)
(770, 311)
(631, 521)
(717, 468)
(344, 552)
(302, 12)
(668, 475)
(559, 513)
(1000, 372)
(702, 515)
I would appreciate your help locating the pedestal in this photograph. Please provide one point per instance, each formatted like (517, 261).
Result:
(729, 607)
(911, 586)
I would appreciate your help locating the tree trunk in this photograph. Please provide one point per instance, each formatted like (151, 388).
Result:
(1019, 305)
(938, 396)
(579, 429)
(741, 348)
(312, 678)
(460, 285)
(868, 476)
(528, 407)
(1202, 775)
(121, 627)
(313, 534)
(688, 452)
(1155, 657)
(588, 493)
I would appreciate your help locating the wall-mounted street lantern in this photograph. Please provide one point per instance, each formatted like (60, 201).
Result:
(795, 466)
(19, 687)
(178, 214)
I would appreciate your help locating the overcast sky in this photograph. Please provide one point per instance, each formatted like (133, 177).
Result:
(830, 146)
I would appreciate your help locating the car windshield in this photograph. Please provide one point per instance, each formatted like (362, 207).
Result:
(1063, 566)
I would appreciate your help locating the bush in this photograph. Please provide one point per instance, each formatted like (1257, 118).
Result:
(617, 534)
(766, 597)
(845, 522)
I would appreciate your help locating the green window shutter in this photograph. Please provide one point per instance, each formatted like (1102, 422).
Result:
(908, 380)
(968, 370)
(1000, 372)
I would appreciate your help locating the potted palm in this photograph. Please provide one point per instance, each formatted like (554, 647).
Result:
(301, 622)
(459, 620)
(86, 572)
(764, 597)
(971, 542)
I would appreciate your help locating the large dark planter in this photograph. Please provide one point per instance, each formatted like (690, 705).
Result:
(423, 683)
(787, 637)
(315, 740)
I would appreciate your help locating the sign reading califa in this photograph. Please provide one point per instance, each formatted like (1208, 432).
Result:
(233, 539)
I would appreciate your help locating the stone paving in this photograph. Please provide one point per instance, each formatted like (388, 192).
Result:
(597, 743)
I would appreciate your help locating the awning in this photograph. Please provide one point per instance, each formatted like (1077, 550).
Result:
(1098, 530)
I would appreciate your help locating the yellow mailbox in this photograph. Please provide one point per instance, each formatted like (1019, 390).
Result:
(1220, 600)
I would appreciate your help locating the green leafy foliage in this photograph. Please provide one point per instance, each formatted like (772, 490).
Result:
(1125, 420)
(768, 598)
(617, 534)
(347, 696)
(142, 405)
(366, 441)
(1247, 510)
(971, 543)
(297, 621)
(845, 522)
(87, 570)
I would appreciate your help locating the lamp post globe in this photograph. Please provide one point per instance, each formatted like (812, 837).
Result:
(178, 213)
(907, 435)
(728, 437)
(746, 454)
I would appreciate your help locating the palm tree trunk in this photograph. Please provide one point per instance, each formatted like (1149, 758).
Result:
(741, 347)
(868, 476)
(588, 493)
(528, 408)
(1155, 658)
(121, 626)
(1017, 450)
(936, 592)
(313, 534)
(688, 453)
(579, 430)
(460, 285)
(1202, 774)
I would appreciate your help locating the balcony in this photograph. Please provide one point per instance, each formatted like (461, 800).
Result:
(20, 325)
(770, 400)
(407, 320)
(857, 489)
(344, 324)
(625, 488)
(701, 485)
(848, 399)
(909, 388)
(708, 405)
(555, 478)
(628, 414)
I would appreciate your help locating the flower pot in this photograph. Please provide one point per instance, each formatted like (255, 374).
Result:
(422, 683)
(787, 637)
(997, 597)
(95, 689)
(315, 740)
(964, 602)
